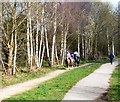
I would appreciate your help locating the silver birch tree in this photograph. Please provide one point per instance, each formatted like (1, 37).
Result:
(42, 33)
(54, 35)
(37, 51)
(28, 36)
(15, 44)
(47, 48)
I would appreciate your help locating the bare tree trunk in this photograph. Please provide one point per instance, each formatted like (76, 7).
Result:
(46, 39)
(53, 48)
(31, 44)
(36, 56)
(42, 55)
(54, 37)
(56, 55)
(78, 41)
(89, 47)
(83, 54)
(28, 43)
(96, 44)
(15, 54)
(91, 43)
(62, 46)
(108, 42)
(42, 34)
(65, 40)
(85, 47)
(15, 51)
(11, 45)
(64, 50)
(28, 37)
(10, 56)
(3, 66)
(41, 44)
(113, 47)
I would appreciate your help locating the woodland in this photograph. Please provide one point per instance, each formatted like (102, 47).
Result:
(38, 34)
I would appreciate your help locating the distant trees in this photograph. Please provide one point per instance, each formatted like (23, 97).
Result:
(38, 32)
(105, 23)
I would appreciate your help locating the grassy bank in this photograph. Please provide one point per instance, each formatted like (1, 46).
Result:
(114, 90)
(56, 88)
(22, 77)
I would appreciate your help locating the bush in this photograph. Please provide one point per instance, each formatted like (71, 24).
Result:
(45, 64)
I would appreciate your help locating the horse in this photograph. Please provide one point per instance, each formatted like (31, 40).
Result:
(69, 63)
(77, 60)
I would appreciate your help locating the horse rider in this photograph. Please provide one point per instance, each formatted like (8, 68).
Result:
(72, 55)
(76, 54)
(69, 56)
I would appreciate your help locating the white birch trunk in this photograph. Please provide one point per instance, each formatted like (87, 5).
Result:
(62, 42)
(10, 46)
(108, 43)
(40, 44)
(31, 44)
(54, 37)
(42, 34)
(62, 46)
(83, 46)
(28, 37)
(42, 55)
(53, 48)
(56, 55)
(91, 43)
(15, 43)
(78, 41)
(113, 46)
(46, 39)
(65, 40)
(15, 54)
(36, 56)
(89, 46)
(28, 43)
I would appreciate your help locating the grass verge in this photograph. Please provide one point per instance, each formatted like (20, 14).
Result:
(22, 77)
(114, 90)
(56, 88)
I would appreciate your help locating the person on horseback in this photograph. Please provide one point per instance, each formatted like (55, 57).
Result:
(69, 56)
(76, 54)
(72, 56)
(77, 57)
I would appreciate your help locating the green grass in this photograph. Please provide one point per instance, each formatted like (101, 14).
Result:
(56, 88)
(22, 77)
(114, 90)
(102, 61)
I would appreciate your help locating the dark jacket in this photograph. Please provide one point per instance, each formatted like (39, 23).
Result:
(111, 56)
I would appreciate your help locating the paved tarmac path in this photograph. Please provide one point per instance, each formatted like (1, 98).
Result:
(92, 86)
